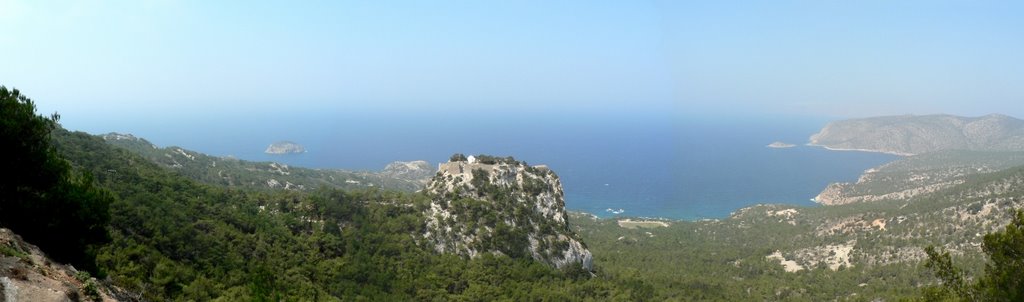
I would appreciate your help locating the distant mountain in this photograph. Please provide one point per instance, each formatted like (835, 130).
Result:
(233, 172)
(911, 134)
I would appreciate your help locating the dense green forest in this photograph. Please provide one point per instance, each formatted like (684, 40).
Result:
(236, 173)
(1001, 280)
(167, 236)
(43, 199)
(174, 238)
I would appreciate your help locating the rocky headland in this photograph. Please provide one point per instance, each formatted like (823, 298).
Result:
(916, 134)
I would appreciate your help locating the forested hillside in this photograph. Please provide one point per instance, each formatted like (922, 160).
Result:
(918, 175)
(160, 234)
(367, 236)
(174, 238)
(270, 176)
(860, 251)
(918, 134)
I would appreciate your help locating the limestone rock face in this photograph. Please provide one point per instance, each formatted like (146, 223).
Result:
(502, 206)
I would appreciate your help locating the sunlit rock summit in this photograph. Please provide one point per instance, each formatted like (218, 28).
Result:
(484, 204)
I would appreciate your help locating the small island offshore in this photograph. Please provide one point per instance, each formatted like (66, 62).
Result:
(285, 147)
(780, 145)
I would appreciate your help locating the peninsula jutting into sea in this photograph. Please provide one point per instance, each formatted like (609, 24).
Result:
(483, 212)
(511, 151)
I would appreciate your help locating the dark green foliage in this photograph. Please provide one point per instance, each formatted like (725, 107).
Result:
(1004, 274)
(177, 239)
(491, 160)
(510, 241)
(534, 186)
(457, 157)
(952, 278)
(43, 200)
(1003, 279)
(725, 260)
(481, 181)
(90, 289)
(252, 175)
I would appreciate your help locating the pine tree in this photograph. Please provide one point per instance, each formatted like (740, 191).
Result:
(41, 198)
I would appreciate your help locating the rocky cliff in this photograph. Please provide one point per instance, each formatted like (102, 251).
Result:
(26, 274)
(909, 134)
(499, 205)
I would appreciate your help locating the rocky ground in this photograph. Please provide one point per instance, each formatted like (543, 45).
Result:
(26, 274)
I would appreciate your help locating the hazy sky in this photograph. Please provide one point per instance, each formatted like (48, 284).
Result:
(827, 58)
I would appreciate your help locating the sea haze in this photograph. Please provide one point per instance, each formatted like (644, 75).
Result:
(678, 167)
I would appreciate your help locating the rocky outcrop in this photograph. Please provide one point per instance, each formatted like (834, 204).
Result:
(285, 147)
(26, 274)
(910, 134)
(499, 205)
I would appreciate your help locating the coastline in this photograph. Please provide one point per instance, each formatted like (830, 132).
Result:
(859, 150)
(670, 220)
(814, 200)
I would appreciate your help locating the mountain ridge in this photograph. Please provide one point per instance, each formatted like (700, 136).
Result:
(233, 172)
(915, 134)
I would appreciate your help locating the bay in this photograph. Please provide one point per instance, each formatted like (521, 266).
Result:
(673, 167)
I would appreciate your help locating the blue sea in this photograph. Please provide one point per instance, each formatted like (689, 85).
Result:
(670, 167)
